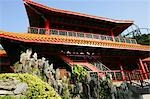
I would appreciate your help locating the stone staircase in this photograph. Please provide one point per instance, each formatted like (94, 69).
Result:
(86, 64)
(101, 66)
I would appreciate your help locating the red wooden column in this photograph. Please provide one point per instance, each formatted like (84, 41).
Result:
(47, 26)
(143, 69)
(122, 72)
(112, 34)
(146, 67)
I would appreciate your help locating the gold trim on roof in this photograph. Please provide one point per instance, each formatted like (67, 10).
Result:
(55, 39)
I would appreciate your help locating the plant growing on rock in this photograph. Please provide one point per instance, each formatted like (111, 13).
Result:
(84, 86)
(41, 68)
(124, 91)
(37, 89)
(80, 72)
(105, 87)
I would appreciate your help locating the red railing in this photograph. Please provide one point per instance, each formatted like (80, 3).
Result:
(36, 30)
(148, 74)
(134, 75)
(118, 75)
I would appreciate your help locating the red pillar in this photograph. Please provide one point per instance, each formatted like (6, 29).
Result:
(47, 26)
(122, 72)
(143, 69)
(112, 34)
(146, 67)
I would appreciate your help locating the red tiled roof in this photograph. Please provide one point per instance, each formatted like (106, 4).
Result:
(55, 39)
(76, 13)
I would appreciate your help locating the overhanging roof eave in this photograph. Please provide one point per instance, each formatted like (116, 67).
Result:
(77, 13)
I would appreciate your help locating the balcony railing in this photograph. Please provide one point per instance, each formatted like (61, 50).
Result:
(116, 75)
(36, 30)
(128, 75)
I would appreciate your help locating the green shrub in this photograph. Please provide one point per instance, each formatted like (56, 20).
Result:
(80, 72)
(37, 89)
(12, 97)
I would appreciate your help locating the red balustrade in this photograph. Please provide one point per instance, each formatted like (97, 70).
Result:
(36, 30)
(116, 75)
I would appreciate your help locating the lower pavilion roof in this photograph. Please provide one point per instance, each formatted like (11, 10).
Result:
(65, 40)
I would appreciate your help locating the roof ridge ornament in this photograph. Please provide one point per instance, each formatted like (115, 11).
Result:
(36, 11)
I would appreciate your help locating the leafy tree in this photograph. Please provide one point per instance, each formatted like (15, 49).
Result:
(143, 39)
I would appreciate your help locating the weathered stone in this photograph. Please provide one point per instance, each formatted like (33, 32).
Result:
(8, 84)
(10, 87)
(5, 92)
(21, 88)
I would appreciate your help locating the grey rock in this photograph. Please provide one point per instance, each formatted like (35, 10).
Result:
(21, 88)
(5, 92)
(10, 87)
(8, 84)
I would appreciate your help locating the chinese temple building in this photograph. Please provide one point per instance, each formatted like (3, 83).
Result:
(67, 38)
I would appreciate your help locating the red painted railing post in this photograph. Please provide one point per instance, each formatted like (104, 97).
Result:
(142, 68)
(146, 67)
(147, 70)
(112, 34)
(122, 72)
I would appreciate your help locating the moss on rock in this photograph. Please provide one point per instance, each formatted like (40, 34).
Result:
(37, 89)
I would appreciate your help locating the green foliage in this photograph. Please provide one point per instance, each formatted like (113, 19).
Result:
(105, 86)
(143, 39)
(124, 91)
(41, 68)
(37, 89)
(66, 93)
(13, 97)
(79, 72)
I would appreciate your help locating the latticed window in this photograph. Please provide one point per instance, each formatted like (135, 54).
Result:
(42, 31)
(72, 34)
(54, 32)
(80, 34)
(88, 35)
(62, 33)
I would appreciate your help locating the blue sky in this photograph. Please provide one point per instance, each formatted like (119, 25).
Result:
(13, 16)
